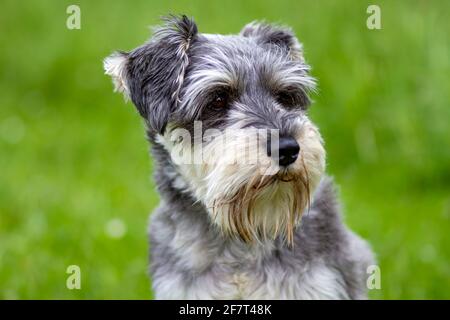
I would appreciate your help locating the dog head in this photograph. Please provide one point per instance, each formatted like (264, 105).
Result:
(232, 112)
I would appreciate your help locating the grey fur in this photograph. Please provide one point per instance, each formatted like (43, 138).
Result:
(190, 257)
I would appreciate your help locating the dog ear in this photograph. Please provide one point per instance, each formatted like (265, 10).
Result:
(156, 70)
(282, 37)
(116, 66)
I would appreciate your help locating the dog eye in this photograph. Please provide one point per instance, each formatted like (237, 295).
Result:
(219, 100)
(286, 99)
(292, 100)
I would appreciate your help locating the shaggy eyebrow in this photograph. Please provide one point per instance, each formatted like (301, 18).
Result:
(217, 72)
(205, 80)
(290, 75)
(200, 84)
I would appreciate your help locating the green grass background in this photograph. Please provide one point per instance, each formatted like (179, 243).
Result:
(73, 154)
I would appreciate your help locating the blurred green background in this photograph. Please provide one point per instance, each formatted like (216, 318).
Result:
(75, 181)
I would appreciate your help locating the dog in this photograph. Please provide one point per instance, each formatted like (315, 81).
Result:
(246, 209)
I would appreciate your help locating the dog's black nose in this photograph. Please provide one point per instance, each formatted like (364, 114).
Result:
(288, 150)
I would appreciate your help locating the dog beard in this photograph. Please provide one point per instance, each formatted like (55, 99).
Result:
(246, 194)
(265, 207)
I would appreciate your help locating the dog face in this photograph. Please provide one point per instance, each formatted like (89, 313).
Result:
(232, 112)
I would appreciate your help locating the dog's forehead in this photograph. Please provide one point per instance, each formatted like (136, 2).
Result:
(231, 41)
(237, 48)
(244, 62)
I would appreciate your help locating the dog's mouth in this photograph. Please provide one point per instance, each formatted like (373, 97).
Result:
(285, 176)
(246, 213)
(288, 174)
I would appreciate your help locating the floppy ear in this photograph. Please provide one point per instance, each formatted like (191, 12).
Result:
(282, 37)
(116, 66)
(155, 71)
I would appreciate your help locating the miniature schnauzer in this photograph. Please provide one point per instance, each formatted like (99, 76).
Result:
(246, 211)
